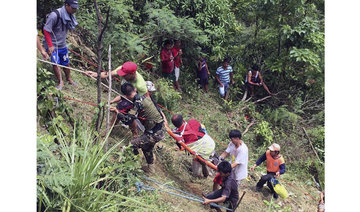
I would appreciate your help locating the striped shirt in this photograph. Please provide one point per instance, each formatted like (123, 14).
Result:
(224, 74)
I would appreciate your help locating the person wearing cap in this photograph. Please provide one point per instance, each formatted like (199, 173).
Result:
(275, 166)
(56, 27)
(129, 74)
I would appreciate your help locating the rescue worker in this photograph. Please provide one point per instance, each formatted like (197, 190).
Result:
(275, 166)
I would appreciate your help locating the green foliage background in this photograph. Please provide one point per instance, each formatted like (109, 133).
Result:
(285, 38)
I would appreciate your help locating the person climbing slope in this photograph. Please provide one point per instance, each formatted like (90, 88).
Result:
(275, 166)
(224, 76)
(142, 106)
(196, 138)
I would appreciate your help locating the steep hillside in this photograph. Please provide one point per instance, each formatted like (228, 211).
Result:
(174, 167)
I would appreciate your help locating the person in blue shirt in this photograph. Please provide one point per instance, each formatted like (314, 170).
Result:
(224, 76)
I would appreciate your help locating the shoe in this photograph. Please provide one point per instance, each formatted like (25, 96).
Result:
(59, 87)
(150, 168)
(73, 83)
(276, 196)
(257, 189)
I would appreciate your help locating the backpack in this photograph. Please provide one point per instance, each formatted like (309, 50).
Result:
(57, 19)
(196, 128)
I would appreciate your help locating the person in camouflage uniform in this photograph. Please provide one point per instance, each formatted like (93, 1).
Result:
(145, 110)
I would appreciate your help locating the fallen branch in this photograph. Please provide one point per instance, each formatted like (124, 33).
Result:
(312, 145)
(257, 101)
(248, 127)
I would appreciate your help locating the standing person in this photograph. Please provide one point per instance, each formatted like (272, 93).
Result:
(55, 30)
(196, 138)
(151, 119)
(177, 52)
(275, 166)
(167, 61)
(253, 78)
(229, 191)
(239, 155)
(224, 76)
(203, 73)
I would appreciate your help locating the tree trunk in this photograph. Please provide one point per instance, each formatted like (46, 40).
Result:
(99, 57)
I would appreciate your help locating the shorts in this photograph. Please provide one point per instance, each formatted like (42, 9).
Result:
(60, 56)
(177, 73)
(248, 85)
(203, 81)
(170, 76)
(224, 88)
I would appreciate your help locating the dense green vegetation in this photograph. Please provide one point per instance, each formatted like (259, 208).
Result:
(285, 38)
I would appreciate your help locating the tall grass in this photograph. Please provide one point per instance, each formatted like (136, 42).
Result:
(77, 175)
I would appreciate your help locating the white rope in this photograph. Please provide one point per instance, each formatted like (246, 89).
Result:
(78, 70)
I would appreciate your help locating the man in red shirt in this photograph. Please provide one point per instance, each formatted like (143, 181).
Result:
(196, 138)
(177, 52)
(167, 61)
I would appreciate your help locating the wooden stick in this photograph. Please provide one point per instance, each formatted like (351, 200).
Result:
(248, 127)
(109, 98)
(257, 101)
(312, 145)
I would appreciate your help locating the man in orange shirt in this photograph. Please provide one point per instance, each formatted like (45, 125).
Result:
(275, 166)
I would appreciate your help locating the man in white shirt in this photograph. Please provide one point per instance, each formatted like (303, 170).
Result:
(238, 151)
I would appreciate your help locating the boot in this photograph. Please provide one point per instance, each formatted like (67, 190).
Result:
(149, 168)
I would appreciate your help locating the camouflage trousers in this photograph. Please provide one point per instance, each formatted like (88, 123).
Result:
(146, 143)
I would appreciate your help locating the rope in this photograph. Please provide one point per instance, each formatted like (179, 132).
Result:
(208, 134)
(93, 104)
(76, 100)
(88, 61)
(140, 186)
(152, 180)
(83, 72)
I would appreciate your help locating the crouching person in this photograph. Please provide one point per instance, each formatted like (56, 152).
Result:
(196, 138)
(229, 190)
(275, 166)
(143, 109)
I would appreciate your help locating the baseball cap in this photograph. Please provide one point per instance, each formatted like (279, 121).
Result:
(127, 68)
(73, 3)
(274, 147)
(150, 86)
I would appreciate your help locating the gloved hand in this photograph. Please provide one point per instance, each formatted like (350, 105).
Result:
(137, 102)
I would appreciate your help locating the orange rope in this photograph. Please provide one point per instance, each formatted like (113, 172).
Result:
(209, 135)
(211, 165)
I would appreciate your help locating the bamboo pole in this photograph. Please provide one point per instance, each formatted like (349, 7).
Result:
(109, 97)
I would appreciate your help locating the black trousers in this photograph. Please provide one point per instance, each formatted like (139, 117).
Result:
(216, 194)
(264, 179)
